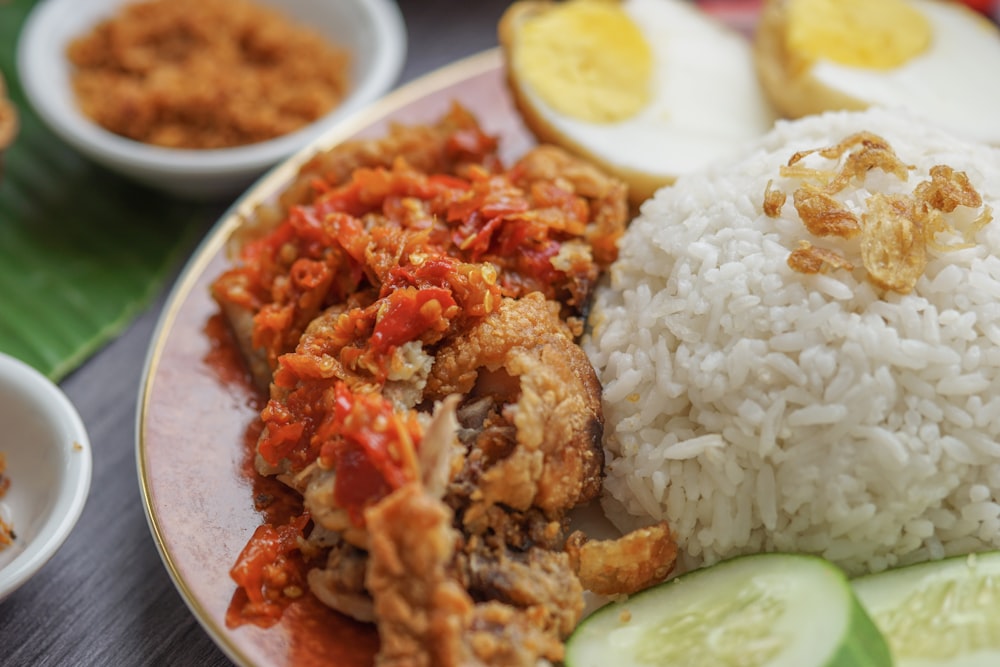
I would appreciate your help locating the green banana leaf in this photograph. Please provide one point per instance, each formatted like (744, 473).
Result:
(82, 250)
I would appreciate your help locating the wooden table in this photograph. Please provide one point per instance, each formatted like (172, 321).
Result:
(105, 598)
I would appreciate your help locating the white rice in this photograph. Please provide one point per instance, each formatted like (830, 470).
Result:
(755, 408)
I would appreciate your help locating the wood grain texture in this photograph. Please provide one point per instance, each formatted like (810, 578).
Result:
(105, 598)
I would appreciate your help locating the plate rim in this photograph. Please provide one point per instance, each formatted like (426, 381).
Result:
(214, 241)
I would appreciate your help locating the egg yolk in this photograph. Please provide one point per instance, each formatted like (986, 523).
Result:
(586, 59)
(875, 34)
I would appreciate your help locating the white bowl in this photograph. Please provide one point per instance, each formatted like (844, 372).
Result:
(48, 463)
(372, 30)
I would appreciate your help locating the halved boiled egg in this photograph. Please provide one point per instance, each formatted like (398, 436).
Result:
(648, 89)
(934, 57)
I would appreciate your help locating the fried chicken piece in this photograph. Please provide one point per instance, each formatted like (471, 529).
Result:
(608, 195)
(340, 584)
(422, 610)
(524, 356)
(410, 272)
(440, 455)
(448, 146)
(425, 616)
(438, 459)
(550, 224)
(625, 565)
(538, 579)
(500, 635)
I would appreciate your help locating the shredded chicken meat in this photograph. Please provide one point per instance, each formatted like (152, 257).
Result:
(413, 308)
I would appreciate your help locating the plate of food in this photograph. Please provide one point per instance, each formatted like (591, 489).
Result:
(476, 363)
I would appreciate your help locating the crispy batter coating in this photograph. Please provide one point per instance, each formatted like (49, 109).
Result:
(387, 229)
(625, 565)
(550, 395)
(412, 540)
(609, 195)
(428, 399)
(341, 584)
(436, 622)
(450, 146)
(537, 579)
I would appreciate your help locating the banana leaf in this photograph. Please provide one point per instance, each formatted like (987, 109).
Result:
(82, 250)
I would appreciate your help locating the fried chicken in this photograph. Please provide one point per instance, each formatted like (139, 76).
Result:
(414, 313)
(341, 584)
(546, 397)
(263, 278)
(626, 565)
(422, 609)
(537, 580)
(428, 618)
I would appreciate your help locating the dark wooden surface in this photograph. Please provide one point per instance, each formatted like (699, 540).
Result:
(105, 598)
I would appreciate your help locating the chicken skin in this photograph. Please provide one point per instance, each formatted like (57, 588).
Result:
(412, 308)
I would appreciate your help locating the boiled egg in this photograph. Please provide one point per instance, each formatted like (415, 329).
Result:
(935, 58)
(647, 89)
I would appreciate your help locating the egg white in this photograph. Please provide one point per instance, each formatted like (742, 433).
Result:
(955, 83)
(705, 100)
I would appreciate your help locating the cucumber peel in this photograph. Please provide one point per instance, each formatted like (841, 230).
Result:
(765, 610)
(942, 613)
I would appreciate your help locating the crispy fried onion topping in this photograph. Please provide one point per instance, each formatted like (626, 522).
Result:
(807, 258)
(896, 231)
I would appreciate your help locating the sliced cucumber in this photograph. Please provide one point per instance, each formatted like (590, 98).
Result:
(941, 613)
(768, 610)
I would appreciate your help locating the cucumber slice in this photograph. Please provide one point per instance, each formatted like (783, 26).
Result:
(937, 614)
(767, 610)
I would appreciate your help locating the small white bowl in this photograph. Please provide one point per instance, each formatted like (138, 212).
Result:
(372, 30)
(48, 463)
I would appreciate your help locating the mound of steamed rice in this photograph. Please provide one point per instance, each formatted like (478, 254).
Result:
(759, 409)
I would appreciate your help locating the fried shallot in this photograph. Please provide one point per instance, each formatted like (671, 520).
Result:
(896, 230)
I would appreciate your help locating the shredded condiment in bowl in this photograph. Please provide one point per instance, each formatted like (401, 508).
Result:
(205, 73)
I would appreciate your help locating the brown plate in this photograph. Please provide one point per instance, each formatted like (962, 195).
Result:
(197, 408)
